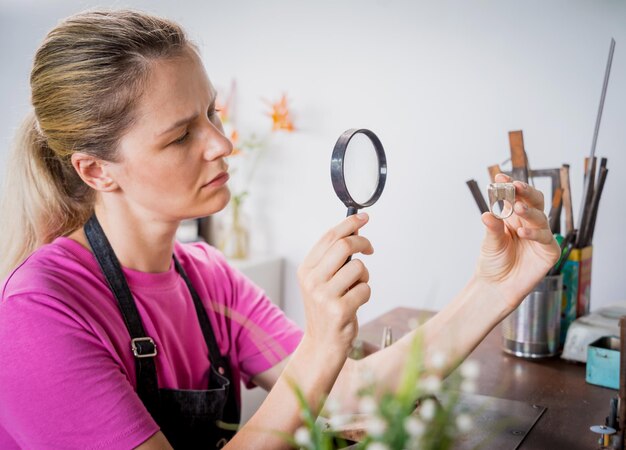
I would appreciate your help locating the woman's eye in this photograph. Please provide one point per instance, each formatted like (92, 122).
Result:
(214, 112)
(181, 139)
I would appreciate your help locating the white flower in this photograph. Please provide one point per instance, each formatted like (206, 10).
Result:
(414, 426)
(302, 437)
(468, 386)
(377, 446)
(338, 420)
(470, 369)
(431, 384)
(367, 405)
(332, 406)
(428, 409)
(376, 426)
(464, 422)
(438, 360)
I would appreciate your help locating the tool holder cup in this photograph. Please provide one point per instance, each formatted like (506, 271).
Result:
(533, 329)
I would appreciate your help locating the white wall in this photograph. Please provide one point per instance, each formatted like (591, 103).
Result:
(440, 82)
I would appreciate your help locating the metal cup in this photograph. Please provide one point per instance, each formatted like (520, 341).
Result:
(533, 329)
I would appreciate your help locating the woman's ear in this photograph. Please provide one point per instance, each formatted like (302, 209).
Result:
(94, 172)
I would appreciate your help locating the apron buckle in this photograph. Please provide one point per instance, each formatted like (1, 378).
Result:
(143, 347)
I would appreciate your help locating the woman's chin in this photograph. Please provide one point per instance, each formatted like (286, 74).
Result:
(218, 202)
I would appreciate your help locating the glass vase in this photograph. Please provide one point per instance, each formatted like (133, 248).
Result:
(234, 241)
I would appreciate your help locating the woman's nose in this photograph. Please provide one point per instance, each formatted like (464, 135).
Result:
(217, 145)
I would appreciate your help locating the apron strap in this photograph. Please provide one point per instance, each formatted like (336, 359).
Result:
(142, 346)
(215, 356)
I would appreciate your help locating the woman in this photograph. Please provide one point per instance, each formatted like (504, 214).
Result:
(116, 336)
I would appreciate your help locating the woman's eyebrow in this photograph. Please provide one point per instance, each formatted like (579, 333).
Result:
(178, 124)
(186, 120)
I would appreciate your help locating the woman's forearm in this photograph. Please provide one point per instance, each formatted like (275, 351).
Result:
(452, 334)
(313, 371)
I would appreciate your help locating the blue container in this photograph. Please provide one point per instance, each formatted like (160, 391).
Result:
(603, 362)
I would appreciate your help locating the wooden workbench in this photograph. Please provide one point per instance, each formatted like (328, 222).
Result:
(572, 404)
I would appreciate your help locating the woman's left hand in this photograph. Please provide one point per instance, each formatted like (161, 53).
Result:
(517, 252)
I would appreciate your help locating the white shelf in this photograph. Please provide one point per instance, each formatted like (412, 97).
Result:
(266, 272)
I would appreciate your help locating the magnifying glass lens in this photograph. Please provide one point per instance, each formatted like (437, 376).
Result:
(361, 169)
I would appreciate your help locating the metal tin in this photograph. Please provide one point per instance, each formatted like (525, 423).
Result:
(533, 329)
(603, 362)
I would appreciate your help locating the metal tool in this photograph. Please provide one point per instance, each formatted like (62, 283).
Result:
(588, 184)
(478, 196)
(595, 203)
(493, 171)
(567, 198)
(387, 338)
(605, 433)
(590, 176)
(554, 218)
(519, 161)
(567, 245)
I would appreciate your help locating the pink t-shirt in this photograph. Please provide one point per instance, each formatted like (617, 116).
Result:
(67, 373)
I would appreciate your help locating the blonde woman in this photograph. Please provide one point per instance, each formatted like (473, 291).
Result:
(114, 335)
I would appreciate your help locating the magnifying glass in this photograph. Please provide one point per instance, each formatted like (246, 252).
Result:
(358, 169)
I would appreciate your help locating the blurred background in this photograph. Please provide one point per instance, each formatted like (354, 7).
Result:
(440, 82)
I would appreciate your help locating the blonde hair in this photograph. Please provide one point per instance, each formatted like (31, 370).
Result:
(86, 80)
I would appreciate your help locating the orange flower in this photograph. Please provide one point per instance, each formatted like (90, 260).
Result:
(281, 116)
(234, 138)
(223, 109)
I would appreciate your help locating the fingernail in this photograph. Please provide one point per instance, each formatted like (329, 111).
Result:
(361, 216)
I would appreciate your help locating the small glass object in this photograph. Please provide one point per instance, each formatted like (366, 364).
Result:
(501, 199)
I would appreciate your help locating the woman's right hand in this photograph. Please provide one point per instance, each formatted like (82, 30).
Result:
(332, 291)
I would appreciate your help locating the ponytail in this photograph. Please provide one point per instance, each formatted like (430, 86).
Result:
(36, 205)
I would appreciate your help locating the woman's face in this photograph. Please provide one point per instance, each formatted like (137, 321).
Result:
(171, 161)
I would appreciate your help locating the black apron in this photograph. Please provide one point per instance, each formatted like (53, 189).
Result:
(189, 418)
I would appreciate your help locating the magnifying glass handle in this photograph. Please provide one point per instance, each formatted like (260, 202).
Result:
(351, 212)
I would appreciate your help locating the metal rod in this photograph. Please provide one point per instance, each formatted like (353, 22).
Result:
(595, 203)
(587, 185)
(607, 73)
(590, 179)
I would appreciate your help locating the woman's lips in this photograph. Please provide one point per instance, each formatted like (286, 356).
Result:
(218, 181)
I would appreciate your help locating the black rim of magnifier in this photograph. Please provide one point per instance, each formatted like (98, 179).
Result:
(337, 168)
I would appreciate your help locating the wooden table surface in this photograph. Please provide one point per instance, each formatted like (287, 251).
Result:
(572, 404)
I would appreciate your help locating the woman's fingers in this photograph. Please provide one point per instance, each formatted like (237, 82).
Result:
(495, 231)
(529, 195)
(337, 255)
(357, 296)
(353, 272)
(534, 217)
(541, 235)
(348, 226)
